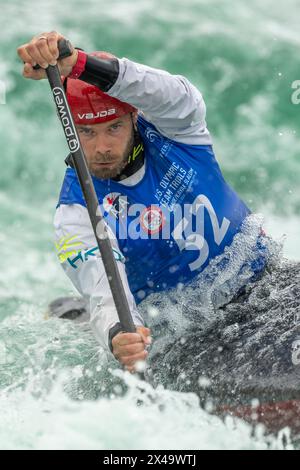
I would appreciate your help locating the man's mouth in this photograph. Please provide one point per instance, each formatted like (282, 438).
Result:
(103, 164)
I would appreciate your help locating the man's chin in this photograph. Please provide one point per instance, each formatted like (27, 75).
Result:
(106, 173)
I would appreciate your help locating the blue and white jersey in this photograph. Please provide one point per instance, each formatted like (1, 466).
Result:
(171, 223)
(169, 219)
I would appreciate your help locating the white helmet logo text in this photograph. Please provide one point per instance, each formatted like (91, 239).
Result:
(100, 114)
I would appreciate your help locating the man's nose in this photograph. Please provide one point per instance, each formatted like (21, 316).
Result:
(103, 144)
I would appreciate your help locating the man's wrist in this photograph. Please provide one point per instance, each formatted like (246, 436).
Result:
(79, 67)
(117, 328)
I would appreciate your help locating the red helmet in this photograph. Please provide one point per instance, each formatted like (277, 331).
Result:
(90, 105)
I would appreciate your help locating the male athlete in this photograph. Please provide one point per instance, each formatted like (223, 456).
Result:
(161, 191)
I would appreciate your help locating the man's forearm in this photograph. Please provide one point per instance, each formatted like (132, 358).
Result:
(86, 270)
(169, 101)
(103, 312)
(100, 72)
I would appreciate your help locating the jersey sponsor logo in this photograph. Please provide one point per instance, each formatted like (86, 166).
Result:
(100, 114)
(115, 204)
(83, 255)
(152, 220)
(66, 247)
(66, 251)
(153, 135)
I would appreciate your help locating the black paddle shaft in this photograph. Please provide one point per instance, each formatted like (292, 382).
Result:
(99, 226)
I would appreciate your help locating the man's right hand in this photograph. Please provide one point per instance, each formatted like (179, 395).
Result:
(43, 50)
(129, 348)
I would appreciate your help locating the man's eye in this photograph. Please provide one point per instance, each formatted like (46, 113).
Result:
(115, 126)
(86, 131)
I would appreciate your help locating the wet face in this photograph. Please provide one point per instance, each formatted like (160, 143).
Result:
(107, 146)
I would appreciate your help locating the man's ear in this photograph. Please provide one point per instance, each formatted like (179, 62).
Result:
(134, 117)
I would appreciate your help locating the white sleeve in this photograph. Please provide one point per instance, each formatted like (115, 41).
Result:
(170, 102)
(80, 258)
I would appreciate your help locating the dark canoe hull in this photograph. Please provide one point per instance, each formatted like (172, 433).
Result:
(246, 360)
